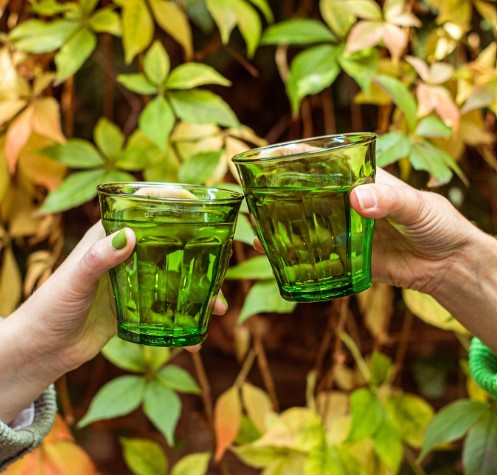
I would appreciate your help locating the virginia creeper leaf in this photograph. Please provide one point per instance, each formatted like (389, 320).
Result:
(138, 28)
(190, 75)
(124, 355)
(227, 417)
(137, 82)
(177, 378)
(199, 168)
(74, 53)
(193, 464)
(116, 398)
(109, 138)
(156, 63)
(163, 407)
(254, 268)
(144, 456)
(75, 153)
(367, 414)
(301, 31)
(156, 121)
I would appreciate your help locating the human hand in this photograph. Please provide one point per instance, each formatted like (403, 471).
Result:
(418, 235)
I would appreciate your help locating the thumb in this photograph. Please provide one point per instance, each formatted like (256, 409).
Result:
(102, 255)
(403, 204)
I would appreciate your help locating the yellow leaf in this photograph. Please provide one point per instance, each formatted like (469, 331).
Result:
(10, 282)
(429, 310)
(376, 305)
(12, 85)
(46, 119)
(36, 169)
(10, 108)
(257, 404)
(18, 134)
(173, 20)
(227, 417)
(4, 170)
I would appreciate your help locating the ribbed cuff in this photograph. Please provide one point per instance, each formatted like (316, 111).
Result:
(16, 443)
(483, 366)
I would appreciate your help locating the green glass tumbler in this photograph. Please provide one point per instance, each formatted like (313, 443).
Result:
(299, 196)
(165, 291)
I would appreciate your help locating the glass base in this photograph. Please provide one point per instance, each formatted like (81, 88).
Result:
(324, 291)
(152, 336)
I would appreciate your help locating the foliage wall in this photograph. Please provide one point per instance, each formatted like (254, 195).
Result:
(161, 90)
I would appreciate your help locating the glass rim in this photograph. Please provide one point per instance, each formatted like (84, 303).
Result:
(248, 155)
(231, 195)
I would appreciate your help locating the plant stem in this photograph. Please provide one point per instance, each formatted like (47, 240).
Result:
(247, 366)
(65, 400)
(67, 105)
(263, 365)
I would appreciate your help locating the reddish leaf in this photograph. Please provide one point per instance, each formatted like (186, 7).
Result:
(395, 39)
(18, 135)
(227, 417)
(364, 34)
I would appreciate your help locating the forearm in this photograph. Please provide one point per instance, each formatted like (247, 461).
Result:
(24, 375)
(469, 289)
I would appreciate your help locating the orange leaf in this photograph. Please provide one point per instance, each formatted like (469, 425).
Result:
(63, 458)
(18, 134)
(10, 282)
(59, 432)
(46, 120)
(227, 417)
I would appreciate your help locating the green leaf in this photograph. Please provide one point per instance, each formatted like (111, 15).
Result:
(179, 379)
(138, 83)
(265, 8)
(74, 53)
(391, 147)
(190, 75)
(249, 24)
(255, 268)
(156, 121)
(144, 456)
(193, 464)
(124, 355)
(156, 63)
(264, 296)
(36, 36)
(452, 422)
(140, 152)
(411, 415)
(367, 414)
(388, 445)
(202, 107)
(49, 8)
(154, 357)
(109, 138)
(244, 231)
(106, 21)
(431, 158)
(116, 398)
(433, 126)
(380, 367)
(80, 187)
(337, 18)
(360, 65)
(301, 31)
(138, 28)
(479, 453)
(401, 97)
(223, 16)
(199, 168)
(75, 153)
(87, 6)
(163, 407)
(174, 21)
(311, 71)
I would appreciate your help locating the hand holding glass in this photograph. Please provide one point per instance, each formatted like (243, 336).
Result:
(164, 293)
(298, 194)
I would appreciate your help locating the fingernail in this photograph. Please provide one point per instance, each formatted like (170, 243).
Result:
(366, 197)
(119, 240)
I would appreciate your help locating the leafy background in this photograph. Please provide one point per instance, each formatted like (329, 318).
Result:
(163, 90)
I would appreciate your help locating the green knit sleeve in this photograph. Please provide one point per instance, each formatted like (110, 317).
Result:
(16, 443)
(483, 366)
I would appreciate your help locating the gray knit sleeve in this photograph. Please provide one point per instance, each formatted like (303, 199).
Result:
(16, 443)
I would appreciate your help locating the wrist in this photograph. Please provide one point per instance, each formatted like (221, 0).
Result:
(467, 288)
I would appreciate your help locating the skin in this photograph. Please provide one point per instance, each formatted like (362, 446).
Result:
(54, 332)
